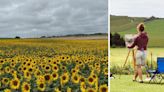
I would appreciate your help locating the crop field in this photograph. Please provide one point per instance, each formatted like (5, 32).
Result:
(118, 55)
(53, 65)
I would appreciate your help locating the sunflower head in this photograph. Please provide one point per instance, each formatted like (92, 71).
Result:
(47, 68)
(55, 75)
(7, 90)
(75, 78)
(64, 78)
(5, 81)
(91, 80)
(103, 88)
(41, 86)
(90, 90)
(26, 87)
(15, 83)
(47, 78)
(55, 68)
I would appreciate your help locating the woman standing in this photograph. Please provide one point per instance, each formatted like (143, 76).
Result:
(141, 42)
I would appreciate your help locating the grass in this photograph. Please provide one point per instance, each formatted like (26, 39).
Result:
(125, 84)
(118, 55)
(123, 23)
(155, 29)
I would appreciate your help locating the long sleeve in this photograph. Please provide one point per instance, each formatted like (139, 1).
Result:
(134, 44)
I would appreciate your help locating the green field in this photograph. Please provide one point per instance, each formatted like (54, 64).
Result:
(127, 25)
(118, 55)
(123, 23)
(125, 84)
(154, 28)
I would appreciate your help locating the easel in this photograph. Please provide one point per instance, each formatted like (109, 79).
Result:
(133, 56)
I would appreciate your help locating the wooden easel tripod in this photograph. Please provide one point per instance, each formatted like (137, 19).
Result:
(134, 59)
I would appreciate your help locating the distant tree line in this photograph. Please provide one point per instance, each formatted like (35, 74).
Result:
(77, 35)
(17, 37)
(151, 18)
(116, 40)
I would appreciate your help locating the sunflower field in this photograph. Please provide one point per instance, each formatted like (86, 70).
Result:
(53, 65)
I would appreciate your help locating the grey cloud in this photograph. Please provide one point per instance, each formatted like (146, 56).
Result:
(34, 18)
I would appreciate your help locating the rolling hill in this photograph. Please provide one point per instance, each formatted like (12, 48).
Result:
(125, 25)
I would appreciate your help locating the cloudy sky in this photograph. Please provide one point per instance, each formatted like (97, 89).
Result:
(141, 8)
(35, 18)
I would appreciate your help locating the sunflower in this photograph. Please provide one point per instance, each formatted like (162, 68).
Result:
(64, 78)
(7, 90)
(91, 80)
(1, 62)
(30, 70)
(54, 62)
(94, 76)
(40, 78)
(41, 86)
(63, 68)
(75, 78)
(14, 74)
(56, 90)
(80, 63)
(55, 75)
(82, 79)
(37, 73)
(103, 88)
(28, 64)
(27, 75)
(82, 87)
(47, 68)
(105, 71)
(26, 87)
(7, 69)
(24, 62)
(47, 78)
(14, 83)
(5, 81)
(12, 64)
(63, 58)
(55, 68)
(43, 66)
(97, 64)
(90, 90)
(74, 71)
(69, 89)
(24, 68)
(49, 61)
(20, 69)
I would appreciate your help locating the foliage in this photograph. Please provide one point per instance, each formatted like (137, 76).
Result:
(116, 40)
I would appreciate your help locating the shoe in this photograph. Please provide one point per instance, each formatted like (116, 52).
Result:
(147, 79)
(140, 81)
(134, 80)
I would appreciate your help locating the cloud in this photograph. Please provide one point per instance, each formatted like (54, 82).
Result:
(141, 8)
(34, 18)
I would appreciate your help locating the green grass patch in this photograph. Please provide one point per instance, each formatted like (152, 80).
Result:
(125, 84)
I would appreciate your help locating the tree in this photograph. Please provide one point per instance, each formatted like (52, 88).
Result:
(116, 40)
(17, 37)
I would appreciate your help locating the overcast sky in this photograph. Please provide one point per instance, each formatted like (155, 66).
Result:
(35, 18)
(141, 8)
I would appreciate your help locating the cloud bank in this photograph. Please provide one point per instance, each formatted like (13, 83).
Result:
(35, 18)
